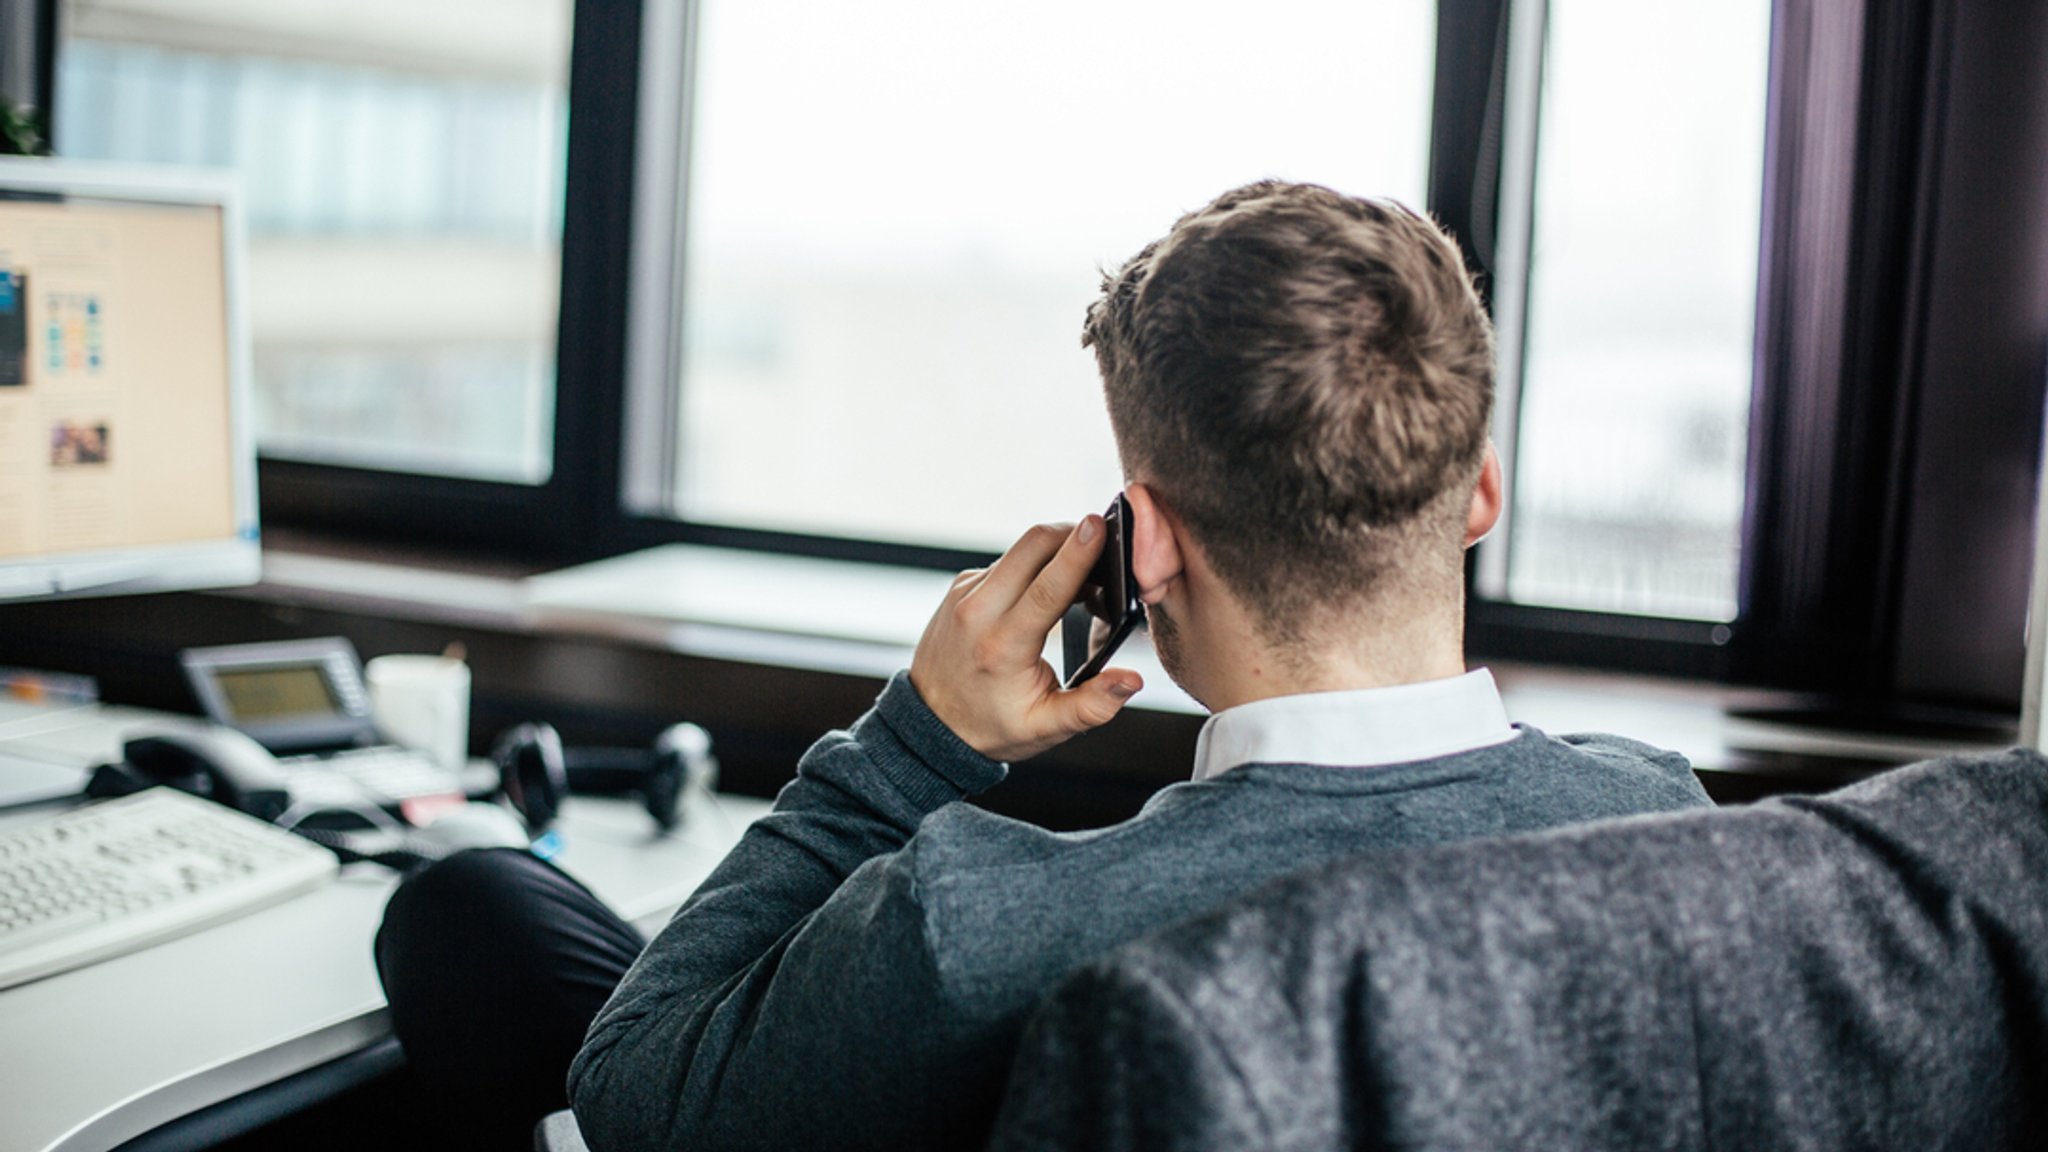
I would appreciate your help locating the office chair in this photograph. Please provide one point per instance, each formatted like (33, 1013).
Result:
(1864, 969)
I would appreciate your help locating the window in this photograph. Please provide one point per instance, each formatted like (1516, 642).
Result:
(897, 213)
(1627, 365)
(403, 165)
(830, 261)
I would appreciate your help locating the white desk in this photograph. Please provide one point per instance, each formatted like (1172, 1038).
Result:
(99, 1055)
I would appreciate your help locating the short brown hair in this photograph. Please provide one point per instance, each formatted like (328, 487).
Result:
(1306, 377)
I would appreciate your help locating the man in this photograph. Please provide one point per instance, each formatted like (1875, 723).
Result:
(1300, 384)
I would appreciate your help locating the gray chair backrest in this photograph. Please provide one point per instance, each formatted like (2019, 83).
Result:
(1866, 969)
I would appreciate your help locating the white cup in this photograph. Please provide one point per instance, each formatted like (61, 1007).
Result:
(422, 702)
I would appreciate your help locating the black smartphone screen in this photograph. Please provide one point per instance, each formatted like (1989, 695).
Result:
(1108, 608)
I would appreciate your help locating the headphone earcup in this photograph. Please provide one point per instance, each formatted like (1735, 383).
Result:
(682, 752)
(535, 772)
(662, 791)
(532, 772)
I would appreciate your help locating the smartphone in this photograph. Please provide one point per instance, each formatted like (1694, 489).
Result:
(1108, 608)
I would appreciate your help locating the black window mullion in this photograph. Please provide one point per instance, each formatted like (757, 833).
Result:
(597, 246)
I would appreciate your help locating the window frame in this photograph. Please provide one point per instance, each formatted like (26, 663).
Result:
(530, 521)
(581, 511)
(45, 51)
(1490, 57)
(585, 508)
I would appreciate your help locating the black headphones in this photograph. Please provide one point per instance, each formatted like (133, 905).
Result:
(535, 771)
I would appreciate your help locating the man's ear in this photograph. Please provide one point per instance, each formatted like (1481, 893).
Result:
(1487, 496)
(1156, 558)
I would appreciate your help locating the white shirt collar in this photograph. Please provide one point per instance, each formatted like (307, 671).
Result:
(1360, 727)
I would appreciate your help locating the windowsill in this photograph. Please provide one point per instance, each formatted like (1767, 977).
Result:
(864, 620)
(717, 603)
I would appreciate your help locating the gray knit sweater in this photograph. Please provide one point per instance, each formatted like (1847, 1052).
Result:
(856, 973)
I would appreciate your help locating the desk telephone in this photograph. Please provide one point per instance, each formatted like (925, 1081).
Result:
(334, 782)
(305, 698)
(302, 700)
(219, 764)
(231, 768)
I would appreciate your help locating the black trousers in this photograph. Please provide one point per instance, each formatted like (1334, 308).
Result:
(494, 963)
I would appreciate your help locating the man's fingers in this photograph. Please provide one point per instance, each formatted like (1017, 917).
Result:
(966, 582)
(979, 664)
(1059, 581)
(1013, 571)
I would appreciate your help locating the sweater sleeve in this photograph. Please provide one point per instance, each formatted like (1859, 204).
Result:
(785, 999)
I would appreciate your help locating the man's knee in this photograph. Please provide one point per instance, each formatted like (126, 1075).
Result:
(506, 912)
(480, 892)
(485, 875)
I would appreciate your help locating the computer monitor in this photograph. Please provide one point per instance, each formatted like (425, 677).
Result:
(127, 458)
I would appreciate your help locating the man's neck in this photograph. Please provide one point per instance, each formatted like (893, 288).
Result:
(1221, 652)
(1241, 665)
(1266, 677)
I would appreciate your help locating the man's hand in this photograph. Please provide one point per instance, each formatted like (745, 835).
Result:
(980, 665)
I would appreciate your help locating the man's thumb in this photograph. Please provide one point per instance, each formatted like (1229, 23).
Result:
(1099, 700)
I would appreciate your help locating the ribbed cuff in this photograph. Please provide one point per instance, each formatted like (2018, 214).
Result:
(926, 761)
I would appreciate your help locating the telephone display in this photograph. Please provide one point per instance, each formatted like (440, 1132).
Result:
(291, 695)
(266, 694)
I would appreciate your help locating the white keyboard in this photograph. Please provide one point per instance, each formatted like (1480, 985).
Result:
(110, 878)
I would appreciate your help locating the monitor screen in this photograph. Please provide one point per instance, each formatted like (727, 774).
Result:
(126, 463)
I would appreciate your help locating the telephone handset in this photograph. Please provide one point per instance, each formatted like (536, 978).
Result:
(221, 764)
(217, 763)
